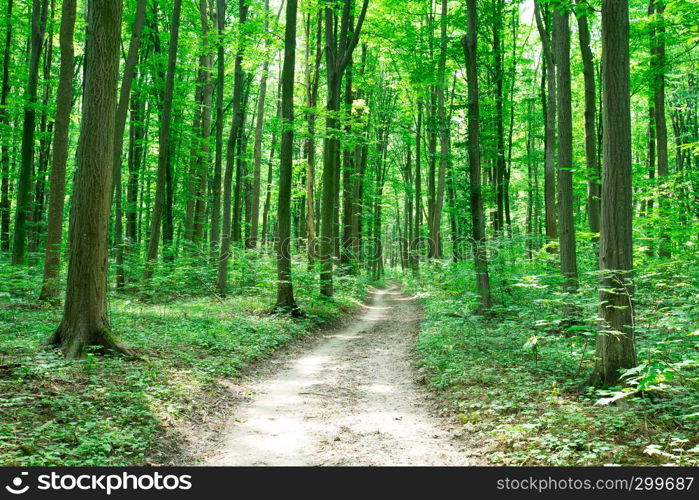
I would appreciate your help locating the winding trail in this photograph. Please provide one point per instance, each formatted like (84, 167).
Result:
(351, 399)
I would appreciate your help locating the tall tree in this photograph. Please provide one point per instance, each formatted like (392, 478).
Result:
(435, 249)
(85, 321)
(119, 126)
(312, 79)
(615, 347)
(251, 241)
(236, 125)
(566, 218)
(660, 122)
(593, 174)
(218, 156)
(5, 141)
(22, 208)
(64, 103)
(550, 129)
(164, 143)
(338, 52)
(285, 289)
(480, 256)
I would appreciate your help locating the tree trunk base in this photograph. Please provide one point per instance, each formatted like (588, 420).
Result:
(75, 341)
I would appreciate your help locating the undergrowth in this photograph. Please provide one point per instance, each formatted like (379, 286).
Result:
(518, 377)
(114, 411)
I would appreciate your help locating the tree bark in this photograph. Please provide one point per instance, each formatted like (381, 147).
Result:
(218, 161)
(5, 142)
(164, 144)
(338, 51)
(23, 206)
(120, 124)
(226, 236)
(615, 348)
(593, 173)
(480, 256)
(285, 289)
(550, 129)
(566, 218)
(85, 321)
(64, 103)
(658, 70)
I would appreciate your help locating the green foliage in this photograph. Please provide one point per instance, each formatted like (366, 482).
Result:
(113, 411)
(518, 380)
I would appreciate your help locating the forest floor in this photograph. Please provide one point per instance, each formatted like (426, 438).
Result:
(350, 398)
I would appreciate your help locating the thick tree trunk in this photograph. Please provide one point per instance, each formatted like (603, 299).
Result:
(164, 144)
(64, 102)
(480, 255)
(615, 348)
(23, 206)
(285, 289)
(85, 321)
(566, 218)
(311, 102)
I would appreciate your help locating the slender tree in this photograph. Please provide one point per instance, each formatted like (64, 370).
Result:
(285, 289)
(23, 206)
(164, 143)
(5, 142)
(566, 218)
(550, 129)
(64, 103)
(480, 256)
(338, 52)
(593, 173)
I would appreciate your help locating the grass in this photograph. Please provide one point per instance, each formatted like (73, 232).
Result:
(518, 380)
(113, 411)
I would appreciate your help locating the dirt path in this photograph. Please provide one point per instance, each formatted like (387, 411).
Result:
(350, 400)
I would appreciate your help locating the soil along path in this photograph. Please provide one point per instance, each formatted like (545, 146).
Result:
(351, 399)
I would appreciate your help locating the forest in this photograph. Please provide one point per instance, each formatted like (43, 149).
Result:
(396, 232)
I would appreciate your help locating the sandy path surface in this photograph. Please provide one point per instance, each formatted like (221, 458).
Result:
(351, 399)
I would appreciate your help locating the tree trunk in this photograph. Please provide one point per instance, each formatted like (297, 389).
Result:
(85, 321)
(338, 52)
(593, 173)
(218, 161)
(64, 102)
(23, 206)
(566, 218)
(615, 348)
(226, 236)
(480, 256)
(285, 289)
(550, 129)
(120, 124)
(658, 69)
(5, 141)
(164, 144)
(251, 242)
